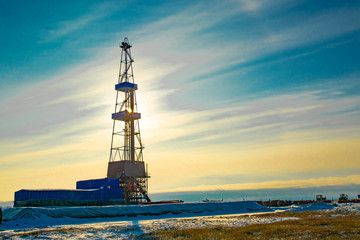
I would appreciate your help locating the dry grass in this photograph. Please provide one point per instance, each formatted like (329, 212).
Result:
(38, 233)
(311, 225)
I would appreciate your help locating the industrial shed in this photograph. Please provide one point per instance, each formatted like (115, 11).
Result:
(94, 192)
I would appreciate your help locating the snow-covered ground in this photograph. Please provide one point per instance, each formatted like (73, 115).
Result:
(122, 222)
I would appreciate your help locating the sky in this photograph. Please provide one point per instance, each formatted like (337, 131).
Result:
(245, 94)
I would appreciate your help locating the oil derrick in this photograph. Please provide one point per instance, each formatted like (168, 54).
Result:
(126, 158)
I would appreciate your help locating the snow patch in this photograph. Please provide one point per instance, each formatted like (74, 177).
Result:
(306, 207)
(31, 223)
(17, 218)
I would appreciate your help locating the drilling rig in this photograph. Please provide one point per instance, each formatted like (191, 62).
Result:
(127, 175)
(126, 153)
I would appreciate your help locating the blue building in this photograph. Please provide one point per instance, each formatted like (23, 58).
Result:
(94, 192)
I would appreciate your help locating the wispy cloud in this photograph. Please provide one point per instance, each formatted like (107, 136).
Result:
(201, 53)
(314, 182)
(314, 29)
(69, 103)
(70, 26)
(237, 122)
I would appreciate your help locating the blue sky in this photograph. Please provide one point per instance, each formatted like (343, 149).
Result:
(233, 94)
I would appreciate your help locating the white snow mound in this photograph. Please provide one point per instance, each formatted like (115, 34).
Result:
(33, 213)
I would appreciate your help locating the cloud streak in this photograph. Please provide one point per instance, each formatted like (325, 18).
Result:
(272, 117)
(67, 27)
(314, 182)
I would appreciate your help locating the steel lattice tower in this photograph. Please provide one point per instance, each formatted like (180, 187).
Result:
(126, 158)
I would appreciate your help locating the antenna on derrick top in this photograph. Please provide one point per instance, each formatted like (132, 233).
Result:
(126, 158)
